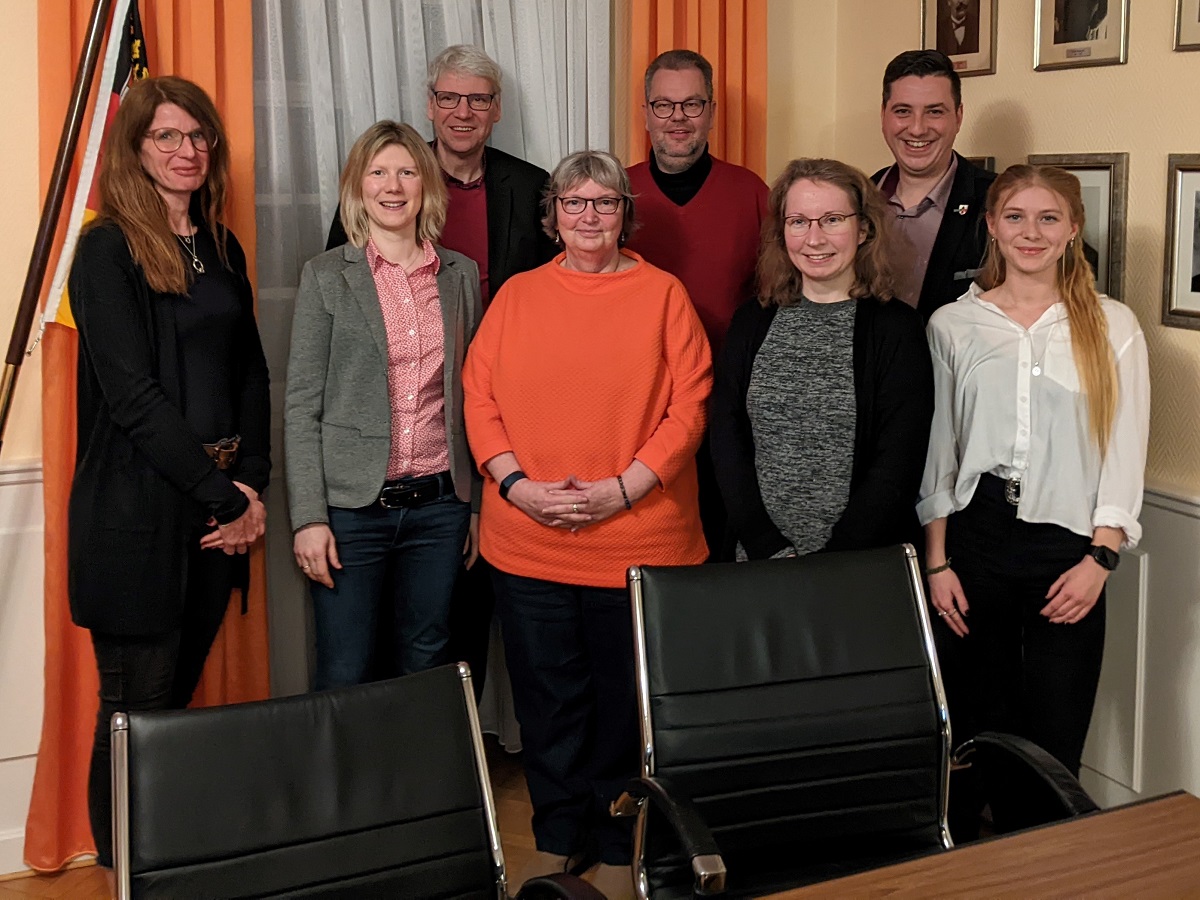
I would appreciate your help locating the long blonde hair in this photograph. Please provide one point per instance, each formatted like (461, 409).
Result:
(129, 197)
(1076, 285)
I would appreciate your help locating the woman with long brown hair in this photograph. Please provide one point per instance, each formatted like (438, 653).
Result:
(823, 396)
(1034, 478)
(173, 412)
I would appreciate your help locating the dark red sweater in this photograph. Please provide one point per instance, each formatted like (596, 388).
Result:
(710, 243)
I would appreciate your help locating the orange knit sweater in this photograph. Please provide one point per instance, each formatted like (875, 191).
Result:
(579, 374)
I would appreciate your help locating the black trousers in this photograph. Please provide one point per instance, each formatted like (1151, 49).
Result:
(471, 608)
(714, 518)
(570, 657)
(1016, 671)
(145, 672)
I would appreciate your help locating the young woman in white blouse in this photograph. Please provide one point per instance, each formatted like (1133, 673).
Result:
(1033, 482)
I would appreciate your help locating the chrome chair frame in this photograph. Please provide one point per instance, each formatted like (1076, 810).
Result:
(709, 871)
(120, 795)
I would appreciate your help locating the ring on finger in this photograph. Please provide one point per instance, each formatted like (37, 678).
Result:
(574, 507)
(942, 612)
(953, 612)
(306, 568)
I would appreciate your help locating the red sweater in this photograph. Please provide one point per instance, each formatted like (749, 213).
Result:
(580, 374)
(710, 243)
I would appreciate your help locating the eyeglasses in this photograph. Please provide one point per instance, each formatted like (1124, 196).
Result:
(830, 223)
(477, 102)
(664, 109)
(606, 206)
(168, 140)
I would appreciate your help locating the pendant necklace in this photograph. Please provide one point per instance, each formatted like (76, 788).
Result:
(1037, 363)
(189, 245)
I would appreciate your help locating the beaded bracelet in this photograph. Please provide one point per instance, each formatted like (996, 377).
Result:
(624, 496)
(942, 568)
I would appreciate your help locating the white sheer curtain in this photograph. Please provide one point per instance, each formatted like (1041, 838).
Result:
(326, 69)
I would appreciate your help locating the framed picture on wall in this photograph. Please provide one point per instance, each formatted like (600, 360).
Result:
(965, 30)
(1104, 179)
(1187, 24)
(987, 163)
(1181, 262)
(1071, 33)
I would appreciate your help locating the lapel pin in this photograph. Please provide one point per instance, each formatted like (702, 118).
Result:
(962, 209)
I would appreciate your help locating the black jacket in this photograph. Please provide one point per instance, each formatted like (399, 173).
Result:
(143, 482)
(893, 390)
(516, 241)
(961, 240)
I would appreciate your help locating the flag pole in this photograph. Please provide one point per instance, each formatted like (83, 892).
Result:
(55, 193)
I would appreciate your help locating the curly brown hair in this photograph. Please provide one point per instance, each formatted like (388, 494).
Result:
(779, 281)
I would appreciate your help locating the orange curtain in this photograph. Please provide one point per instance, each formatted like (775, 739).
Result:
(730, 34)
(212, 44)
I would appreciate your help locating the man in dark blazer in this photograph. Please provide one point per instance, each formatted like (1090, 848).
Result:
(495, 212)
(495, 219)
(958, 26)
(938, 197)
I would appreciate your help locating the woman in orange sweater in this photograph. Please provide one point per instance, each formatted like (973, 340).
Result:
(585, 394)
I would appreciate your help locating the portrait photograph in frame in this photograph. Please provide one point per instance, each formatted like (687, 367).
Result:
(1104, 182)
(987, 163)
(1187, 24)
(1073, 33)
(965, 30)
(1181, 261)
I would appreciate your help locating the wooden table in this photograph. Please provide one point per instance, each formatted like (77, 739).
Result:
(1146, 849)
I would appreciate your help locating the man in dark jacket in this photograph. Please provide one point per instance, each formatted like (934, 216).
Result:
(938, 197)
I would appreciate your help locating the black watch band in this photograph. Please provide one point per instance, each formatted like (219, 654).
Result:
(509, 480)
(1105, 556)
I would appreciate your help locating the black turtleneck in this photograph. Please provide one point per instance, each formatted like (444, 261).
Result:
(681, 187)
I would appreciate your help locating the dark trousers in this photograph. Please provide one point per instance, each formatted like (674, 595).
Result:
(714, 518)
(570, 657)
(1016, 671)
(471, 610)
(146, 672)
(415, 554)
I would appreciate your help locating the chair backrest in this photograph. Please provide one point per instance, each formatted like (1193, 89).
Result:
(797, 703)
(379, 790)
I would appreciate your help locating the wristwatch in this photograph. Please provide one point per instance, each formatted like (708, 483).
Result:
(509, 480)
(1106, 557)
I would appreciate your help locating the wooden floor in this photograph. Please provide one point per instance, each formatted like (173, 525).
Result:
(86, 882)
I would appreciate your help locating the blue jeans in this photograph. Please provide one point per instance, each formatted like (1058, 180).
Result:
(570, 657)
(406, 557)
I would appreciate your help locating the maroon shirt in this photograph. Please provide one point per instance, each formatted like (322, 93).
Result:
(466, 229)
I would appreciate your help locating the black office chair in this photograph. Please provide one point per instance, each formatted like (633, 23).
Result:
(379, 790)
(794, 723)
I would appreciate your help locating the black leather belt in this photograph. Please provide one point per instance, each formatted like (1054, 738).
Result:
(224, 451)
(404, 493)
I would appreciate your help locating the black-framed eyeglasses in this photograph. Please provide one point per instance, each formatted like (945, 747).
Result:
(477, 102)
(664, 109)
(606, 206)
(168, 140)
(830, 223)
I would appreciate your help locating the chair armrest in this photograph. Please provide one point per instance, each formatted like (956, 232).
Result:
(1025, 785)
(558, 886)
(698, 842)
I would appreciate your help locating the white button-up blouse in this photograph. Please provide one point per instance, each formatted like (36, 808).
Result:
(1008, 402)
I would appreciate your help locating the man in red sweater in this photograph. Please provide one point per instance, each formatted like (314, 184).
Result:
(699, 218)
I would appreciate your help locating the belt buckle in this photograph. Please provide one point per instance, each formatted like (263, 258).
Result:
(1012, 491)
(405, 496)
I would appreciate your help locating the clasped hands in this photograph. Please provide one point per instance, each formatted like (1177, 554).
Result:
(571, 503)
(238, 535)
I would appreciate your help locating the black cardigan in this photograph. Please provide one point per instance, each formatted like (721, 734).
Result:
(893, 389)
(142, 479)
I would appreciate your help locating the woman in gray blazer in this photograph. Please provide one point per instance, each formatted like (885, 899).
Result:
(382, 492)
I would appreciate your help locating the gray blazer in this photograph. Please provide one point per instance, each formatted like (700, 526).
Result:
(337, 422)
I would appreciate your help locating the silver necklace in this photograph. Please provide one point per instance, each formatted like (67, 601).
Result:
(1037, 363)
(189, 245)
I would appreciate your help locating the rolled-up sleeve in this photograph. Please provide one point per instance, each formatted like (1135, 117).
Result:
(1122, 474)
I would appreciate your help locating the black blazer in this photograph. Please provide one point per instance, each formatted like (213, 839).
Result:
(958, 249)
(143, 483)
(893, 392)
(516, 241)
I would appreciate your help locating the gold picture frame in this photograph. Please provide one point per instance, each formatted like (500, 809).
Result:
(1070, 34)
